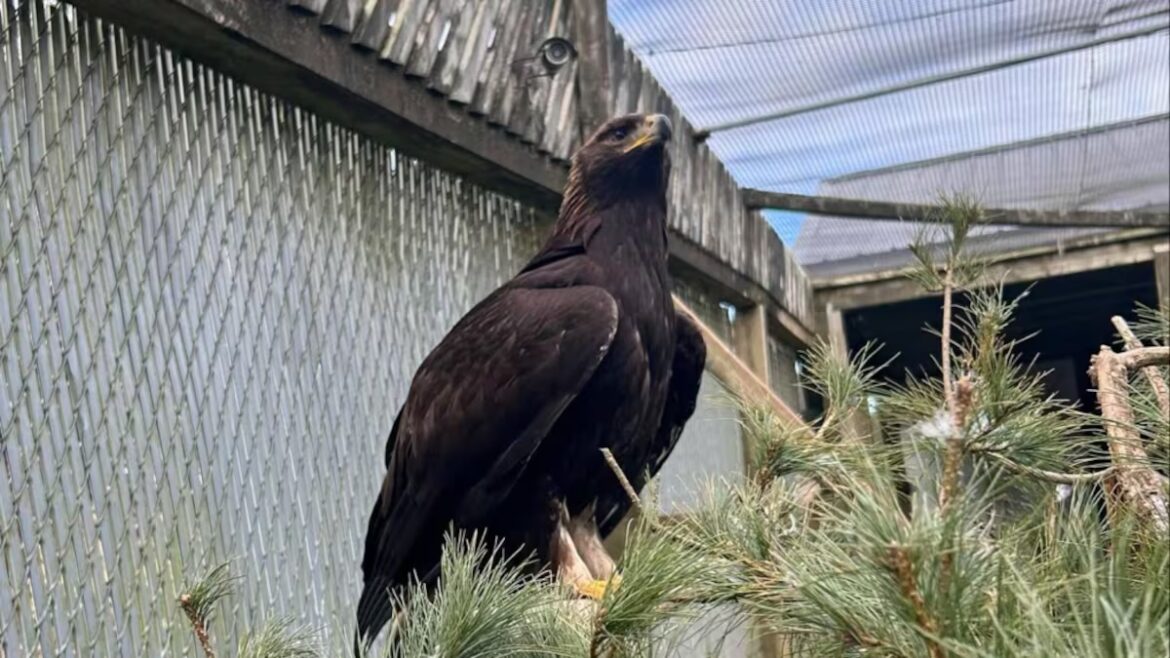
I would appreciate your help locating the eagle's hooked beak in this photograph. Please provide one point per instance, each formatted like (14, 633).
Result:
(655, 129)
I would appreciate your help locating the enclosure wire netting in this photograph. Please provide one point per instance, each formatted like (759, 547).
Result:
(210, 303)
(1048, 104)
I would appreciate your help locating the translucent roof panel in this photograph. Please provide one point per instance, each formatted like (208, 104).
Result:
(1025, 103)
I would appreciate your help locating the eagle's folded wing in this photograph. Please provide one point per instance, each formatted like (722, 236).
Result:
(477, 410)
(686, 372)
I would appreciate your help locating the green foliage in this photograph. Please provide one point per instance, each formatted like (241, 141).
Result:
(281, 638)
(202, 595)
(658, 581)
(1152, 327)
(940, 248)
(485, 604)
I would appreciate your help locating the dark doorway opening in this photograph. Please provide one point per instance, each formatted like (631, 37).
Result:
(1069, 315)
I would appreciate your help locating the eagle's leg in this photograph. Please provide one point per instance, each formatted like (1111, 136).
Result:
(587, 539)
(570, 568)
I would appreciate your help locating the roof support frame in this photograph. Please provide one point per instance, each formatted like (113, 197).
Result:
(885, 210)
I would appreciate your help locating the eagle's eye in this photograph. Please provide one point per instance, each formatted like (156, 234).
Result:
(618, 134)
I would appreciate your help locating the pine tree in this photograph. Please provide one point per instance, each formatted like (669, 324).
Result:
(1031, 528)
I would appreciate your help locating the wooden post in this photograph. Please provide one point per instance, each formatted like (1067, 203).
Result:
(859, 424)
(590, 30)
(749, 338)
(1134, 484)
(835, 330)
(1162, 272)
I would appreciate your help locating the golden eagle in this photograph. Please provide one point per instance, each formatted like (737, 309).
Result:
(504, 422)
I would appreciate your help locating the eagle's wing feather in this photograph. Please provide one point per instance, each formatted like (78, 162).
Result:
(690, 357)
(477, 410)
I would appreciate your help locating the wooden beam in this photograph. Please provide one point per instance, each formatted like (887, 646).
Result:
(287, 54)
(889, 211)
(739, 289)
(591, 30)
(1162, 272)
(749, 337)
(896, 287)
(723, 362)
(835, 334)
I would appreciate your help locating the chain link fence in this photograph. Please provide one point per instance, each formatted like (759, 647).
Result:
(210, 306)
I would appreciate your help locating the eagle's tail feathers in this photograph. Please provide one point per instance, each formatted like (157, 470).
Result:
(375, 608)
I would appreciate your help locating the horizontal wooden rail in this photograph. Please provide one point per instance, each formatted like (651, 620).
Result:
(885, 210)
(735, 374)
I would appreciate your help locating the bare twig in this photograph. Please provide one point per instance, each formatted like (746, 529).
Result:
(959, 398)
(1161, 390)
(1135, 482)
(899, 563)
(622, 479)
(948, 310)
(1145, 357)
(1052, 476)
(952, 458)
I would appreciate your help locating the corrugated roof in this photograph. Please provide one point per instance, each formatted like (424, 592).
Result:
(1039, 103)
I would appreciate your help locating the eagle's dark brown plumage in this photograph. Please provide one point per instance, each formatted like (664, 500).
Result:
(504, 421)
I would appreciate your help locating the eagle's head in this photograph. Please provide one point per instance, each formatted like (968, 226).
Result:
(625, 158)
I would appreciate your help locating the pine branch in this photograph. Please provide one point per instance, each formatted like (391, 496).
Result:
(200, 599)
(1137, 482)
(948, 310)
(903, 570)
(1050, 476)
(1132, 342)
(198, 626)
(1145, 357)
(622, 479)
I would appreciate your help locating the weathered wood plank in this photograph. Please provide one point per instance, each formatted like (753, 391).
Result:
(650, 93)
(449, 60)
(400, 41)
(865, 209)
(533, 129)
(314, 6)
(633, 90)
(498, 78)
(517, 66)
(432, 36)
(569, 137)
(590, 36)
(459, 81)
(559, 95)
(616, 56)
(342, 15)
(374, 24)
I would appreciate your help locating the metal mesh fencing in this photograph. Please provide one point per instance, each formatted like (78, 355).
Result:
(211, 303)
